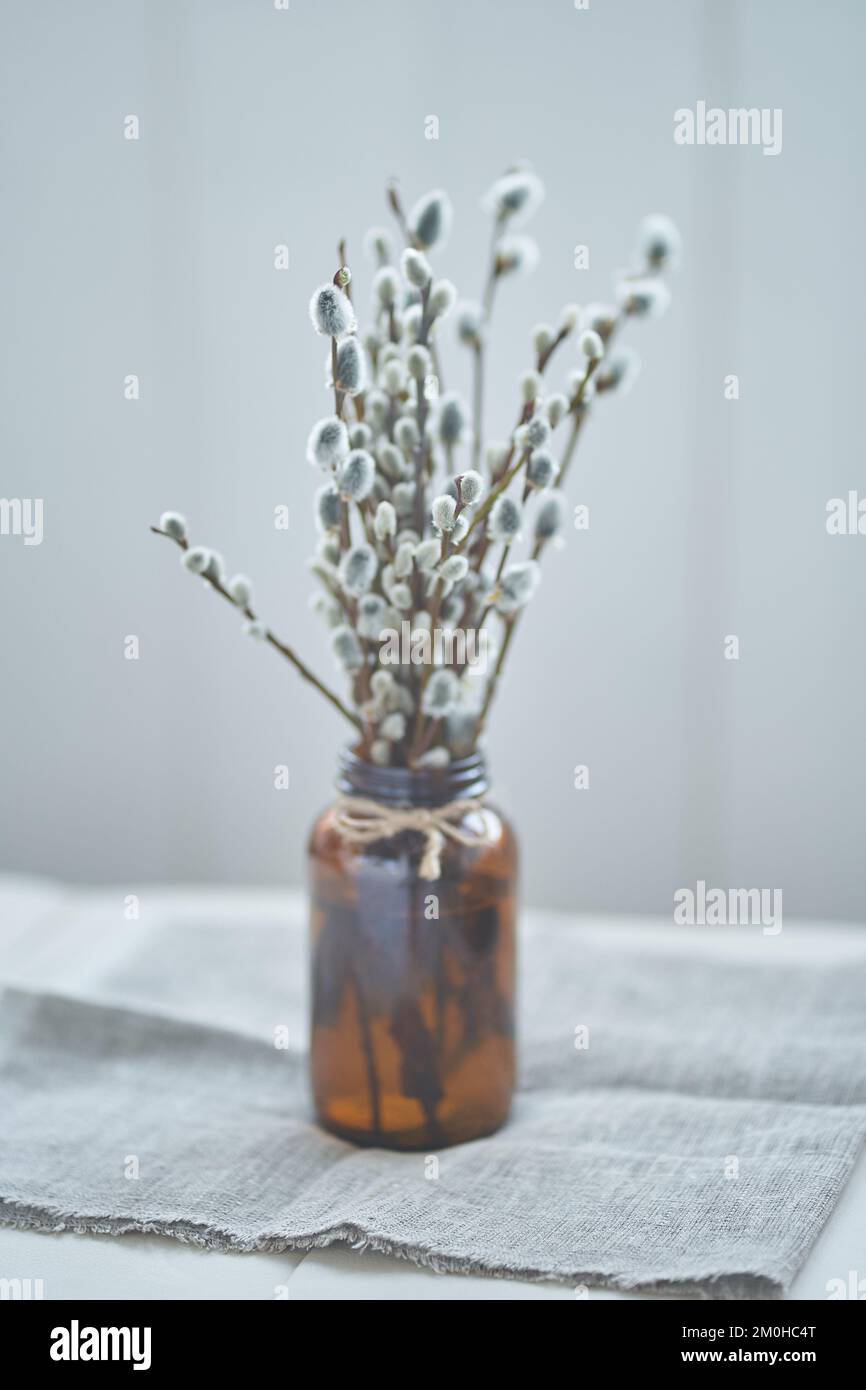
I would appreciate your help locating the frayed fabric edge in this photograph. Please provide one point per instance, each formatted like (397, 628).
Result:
(717, 1287)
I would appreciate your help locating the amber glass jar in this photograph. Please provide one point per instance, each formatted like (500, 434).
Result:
(413, 980)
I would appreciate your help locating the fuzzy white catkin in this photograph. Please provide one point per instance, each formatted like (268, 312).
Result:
(643, 298)
(521, 443)
(215, 567)
(542, 469)
(370, 711)
(400, 595)
(322, 605)
(504, 521)
(471, 487)
(569, 318)
(600, 317)
(240, 589)
(391, 460)
(443, 297)
(328, 508)
(550, 516)
(517, 586)
(328, 443)
(556, 407)
(591, 345)
(372, 344)
(393, 377)
(530, 385)
(430, 219)
(515, 196)
(542, 337)
(659, 240)
(440, 694)
(418, 362)
(442, 512)
(416, 268)
(360, 436)
(347, 648)
(393, 727)
(351, 368)
(434, 757)
(518, 254)
(372, 612)
(382, 683)
(403, 497)
(378, 245)
(454, 568)
(385, 521)
(386, 286)
(427, 554)
(376, 405)
(461, 526)
(358, 569)
(331, 312)
(406, 434)
(389, 353)
(174, 525)
(404, 560)
(328, 548)
(357, 475)
(537, 432)
(618, 372)
(256, 629)
(470, 323)
(451, 420)
(411, 322)
(400, 697)
(196, 559)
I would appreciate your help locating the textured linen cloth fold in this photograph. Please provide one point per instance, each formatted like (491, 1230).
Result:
(694, 1142)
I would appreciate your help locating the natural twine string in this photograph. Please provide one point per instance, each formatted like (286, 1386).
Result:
(363, 821)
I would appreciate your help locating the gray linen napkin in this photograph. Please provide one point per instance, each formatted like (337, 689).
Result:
(696, 1145)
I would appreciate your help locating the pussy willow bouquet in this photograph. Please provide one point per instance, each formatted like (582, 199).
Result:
(430, 537)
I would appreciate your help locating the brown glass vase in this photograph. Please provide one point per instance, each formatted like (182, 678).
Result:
(413, 979)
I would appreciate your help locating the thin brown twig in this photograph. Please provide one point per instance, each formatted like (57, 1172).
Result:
(477, 403)
(492, 684)
(579, 412)
(280, 646)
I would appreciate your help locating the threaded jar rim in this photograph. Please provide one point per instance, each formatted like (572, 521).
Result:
(407, 786)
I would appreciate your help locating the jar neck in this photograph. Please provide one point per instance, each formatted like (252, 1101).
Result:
(406, 786)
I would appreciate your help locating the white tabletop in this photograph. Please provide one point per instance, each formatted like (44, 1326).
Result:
(73, 1266)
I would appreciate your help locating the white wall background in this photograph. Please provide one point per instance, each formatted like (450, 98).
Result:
(707, 516)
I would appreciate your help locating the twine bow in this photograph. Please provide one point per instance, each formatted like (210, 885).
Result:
(363, 822)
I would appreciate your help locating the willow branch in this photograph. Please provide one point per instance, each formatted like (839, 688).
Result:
(493, 271)
(477, 403)
(302, 669)
(492, 684)
(502, 486)
(579, 412)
